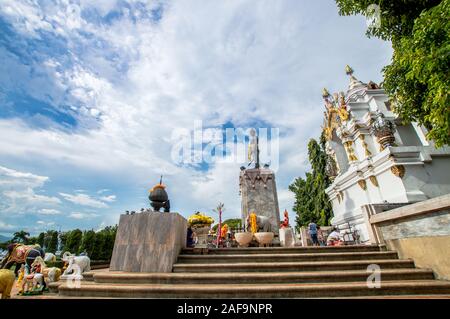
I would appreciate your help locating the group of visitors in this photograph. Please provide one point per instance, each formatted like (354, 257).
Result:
(317, 237)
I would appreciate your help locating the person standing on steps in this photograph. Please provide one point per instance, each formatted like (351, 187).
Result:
(321, 240)
(190, 241)
(312, 228)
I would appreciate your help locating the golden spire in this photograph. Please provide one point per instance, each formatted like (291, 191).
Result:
(348, 70)
(325, 93)
(354, 82)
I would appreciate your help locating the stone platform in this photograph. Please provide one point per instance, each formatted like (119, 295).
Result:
(275, 272)
(148, 242)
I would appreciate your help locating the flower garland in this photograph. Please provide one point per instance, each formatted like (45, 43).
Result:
(253, 223)
(224, 231)
(200, 219)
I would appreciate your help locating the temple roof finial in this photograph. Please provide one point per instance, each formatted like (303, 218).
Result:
(348, 70)
(325, 93)
(354, 82)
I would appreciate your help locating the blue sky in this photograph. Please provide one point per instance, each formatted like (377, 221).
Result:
(91, 93)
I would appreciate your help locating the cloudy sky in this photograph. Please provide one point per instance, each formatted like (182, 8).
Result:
(93, 95)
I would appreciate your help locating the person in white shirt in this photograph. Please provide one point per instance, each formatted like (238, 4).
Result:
(334, 238)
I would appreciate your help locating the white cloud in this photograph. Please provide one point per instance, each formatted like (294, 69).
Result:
(43, 225)
(18, 193)
(109, 198)
(83, 200)
(30, 197)
(101, 226)
(10, 178)
(47, 211)
(4, 227)
(78, 215)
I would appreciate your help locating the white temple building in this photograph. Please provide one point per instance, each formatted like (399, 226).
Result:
(375, 158)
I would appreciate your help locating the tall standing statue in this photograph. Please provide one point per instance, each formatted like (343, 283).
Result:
(253, 149)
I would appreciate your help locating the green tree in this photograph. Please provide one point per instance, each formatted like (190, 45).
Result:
(88, 243)
(52, 243)
(311, 201)
(100, 245)
(418, 79)
(63, 237)
(40, 239)
(108, 245)
(232, 223)
(396, 17)
(33, 241)
(21, 237)
(73, 241)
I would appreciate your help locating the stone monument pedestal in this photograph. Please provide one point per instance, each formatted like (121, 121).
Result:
(148, 242)
(259, 195)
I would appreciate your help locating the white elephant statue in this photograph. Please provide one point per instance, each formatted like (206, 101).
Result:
(49, 257)
(263, 222)
(77, 265)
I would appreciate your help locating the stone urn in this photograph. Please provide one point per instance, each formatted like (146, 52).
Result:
(264, 238)
(202, 232)
(159, 199)
(243, 239)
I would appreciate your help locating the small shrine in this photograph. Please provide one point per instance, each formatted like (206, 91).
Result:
(376, 158)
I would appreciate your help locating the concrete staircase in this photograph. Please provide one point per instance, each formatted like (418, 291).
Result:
(300, 272)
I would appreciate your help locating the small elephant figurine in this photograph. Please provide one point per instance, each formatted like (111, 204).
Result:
(7, 278)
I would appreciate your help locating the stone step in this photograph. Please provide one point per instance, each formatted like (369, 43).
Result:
(88, 276)
(317, 290)
(282, 250)
(240, 258)
(258, 278)
(293, 266)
